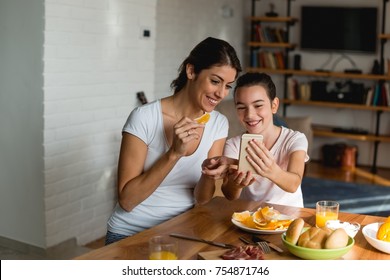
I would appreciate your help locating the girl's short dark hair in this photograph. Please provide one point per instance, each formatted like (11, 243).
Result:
(257, 79)
(208, 53)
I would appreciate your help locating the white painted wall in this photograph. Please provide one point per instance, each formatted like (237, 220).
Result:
(21, 121)
(95, 62)
(183, 24)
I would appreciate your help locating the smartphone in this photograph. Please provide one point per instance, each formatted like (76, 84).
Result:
(243, 163)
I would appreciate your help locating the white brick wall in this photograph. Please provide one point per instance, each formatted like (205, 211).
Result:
(94, 63)
(183, 24)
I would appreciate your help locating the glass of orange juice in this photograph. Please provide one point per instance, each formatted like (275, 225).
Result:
(326, 210)
(162, 247)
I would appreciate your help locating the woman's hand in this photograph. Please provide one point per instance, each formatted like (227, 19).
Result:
(217, 167)
(185, 132)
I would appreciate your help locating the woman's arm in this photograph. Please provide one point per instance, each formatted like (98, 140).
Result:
(212, 170)
(135, 184)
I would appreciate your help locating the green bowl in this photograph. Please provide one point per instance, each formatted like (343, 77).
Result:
(317, 254)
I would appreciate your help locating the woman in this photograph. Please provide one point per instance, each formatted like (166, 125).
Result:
(278, 160)
(159, 169)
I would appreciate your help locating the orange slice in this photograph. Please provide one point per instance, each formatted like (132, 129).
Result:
(241, 216)
(275, 225)
(384, 232)
(258, 218)
(203, 119)
(257, 215)
(269, 213)
(249, 222)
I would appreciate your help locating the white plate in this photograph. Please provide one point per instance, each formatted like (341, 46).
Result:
(263, 231)
(369, 232)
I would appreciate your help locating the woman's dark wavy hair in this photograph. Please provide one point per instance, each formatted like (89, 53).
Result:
(257, 79)
(208, 53)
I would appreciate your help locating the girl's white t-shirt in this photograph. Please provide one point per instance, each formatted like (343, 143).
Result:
(263, 189)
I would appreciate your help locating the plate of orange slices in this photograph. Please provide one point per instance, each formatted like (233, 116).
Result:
(265, 220)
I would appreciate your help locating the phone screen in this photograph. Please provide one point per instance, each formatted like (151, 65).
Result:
(243, 163)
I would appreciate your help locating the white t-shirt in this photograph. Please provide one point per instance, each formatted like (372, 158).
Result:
(175, 193)
(263, 189)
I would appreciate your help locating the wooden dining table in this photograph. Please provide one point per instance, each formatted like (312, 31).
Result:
(212, 221)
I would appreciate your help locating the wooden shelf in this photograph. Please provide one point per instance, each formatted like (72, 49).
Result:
(384, 36)
(361, 174)
(271, 45)
(359, 137)
(335, 105)
(274, 19)
(320, 74)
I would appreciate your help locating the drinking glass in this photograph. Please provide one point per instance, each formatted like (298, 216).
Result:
(162, 247)
(326, 210)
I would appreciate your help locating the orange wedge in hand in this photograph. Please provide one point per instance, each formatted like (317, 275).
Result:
(203, 119)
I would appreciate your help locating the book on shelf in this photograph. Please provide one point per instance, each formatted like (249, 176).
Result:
(387, 92)
(370, 93)
(384, 101)
(378, 95)
(268, 59)
(279, 56)
(281, 35)
(258, 34)
(304, 91)
(268, 34)
(292, 89)
(271, 60)
(388, 67)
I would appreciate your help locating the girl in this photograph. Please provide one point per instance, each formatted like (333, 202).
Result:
(279, 160)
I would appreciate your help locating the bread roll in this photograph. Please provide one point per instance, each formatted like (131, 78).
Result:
(313, 238)
(328, 230)
(294, 231)
(337, 239)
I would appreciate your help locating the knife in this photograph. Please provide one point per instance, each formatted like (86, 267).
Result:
(272, 245)
(219, 244)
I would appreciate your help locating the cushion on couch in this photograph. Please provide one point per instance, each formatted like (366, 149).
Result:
(301, 124)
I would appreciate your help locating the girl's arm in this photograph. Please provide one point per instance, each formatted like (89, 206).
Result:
(266, 166)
